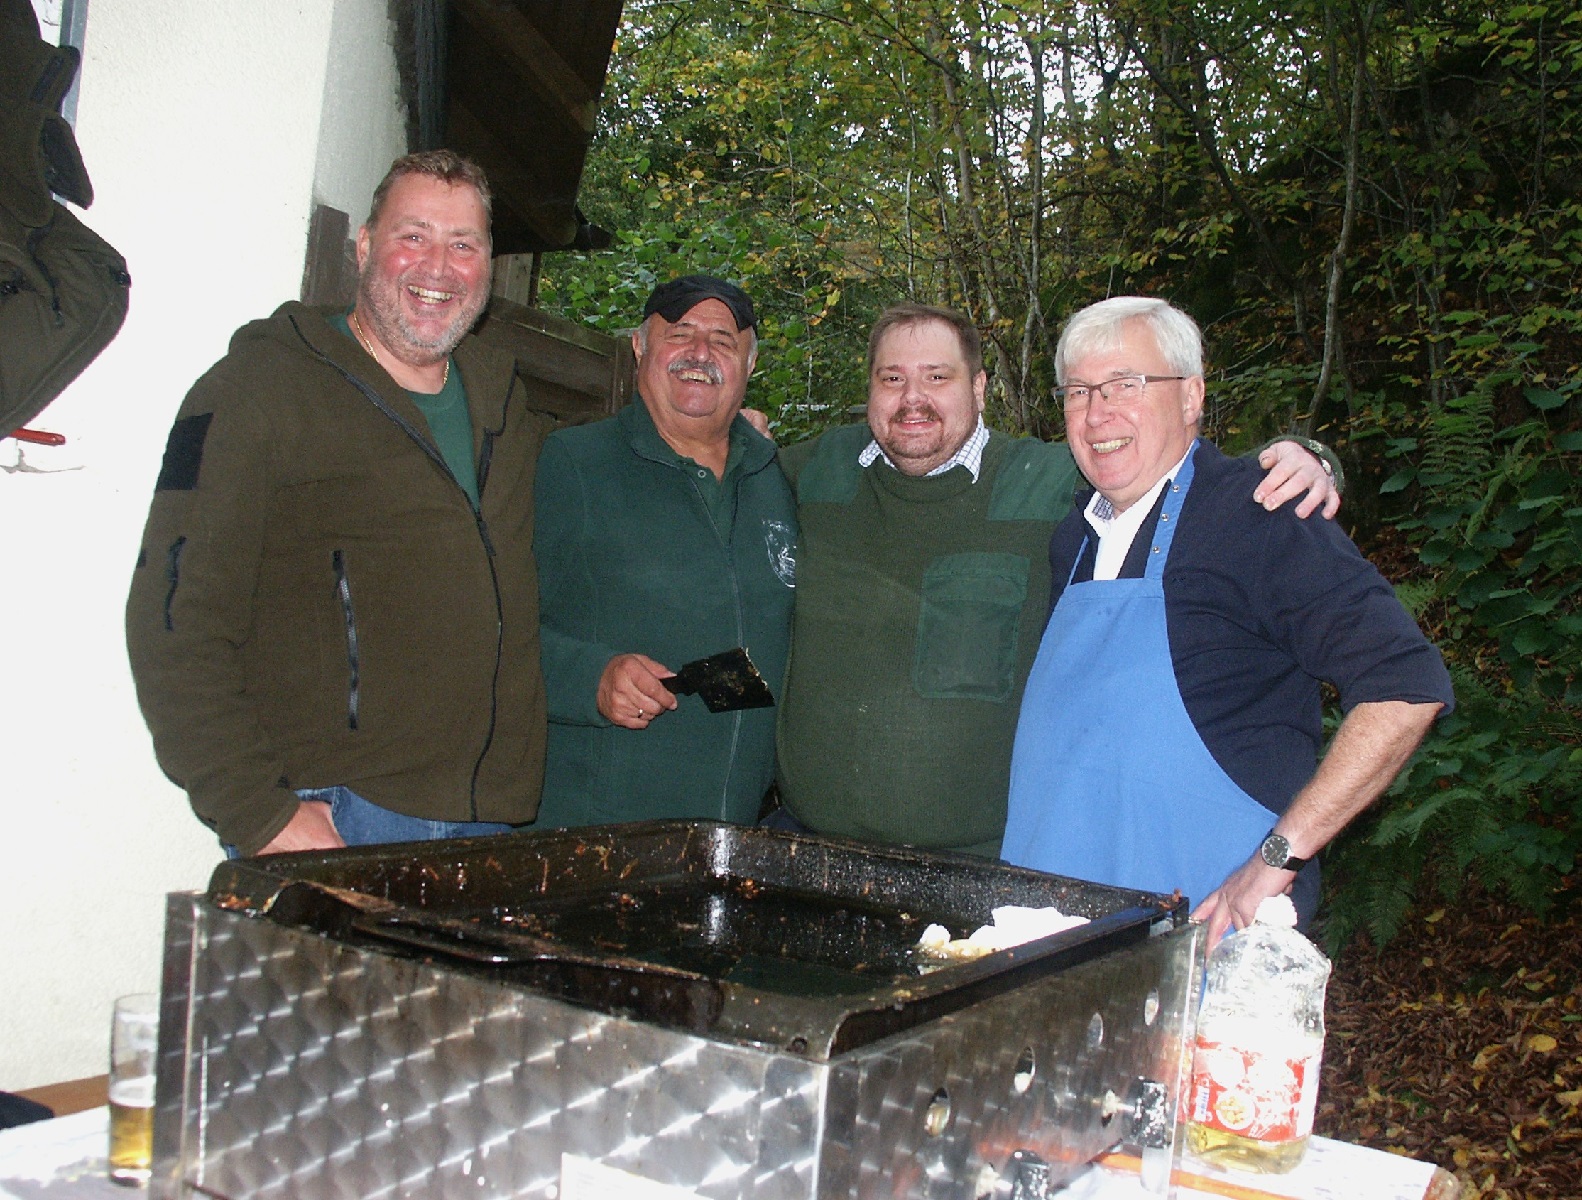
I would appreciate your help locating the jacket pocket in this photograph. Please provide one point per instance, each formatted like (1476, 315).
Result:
(969, 617)
(343, 593)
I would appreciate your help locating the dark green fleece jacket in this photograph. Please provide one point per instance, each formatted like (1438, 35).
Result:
(919, 607)
(643, 551)
(317, 602)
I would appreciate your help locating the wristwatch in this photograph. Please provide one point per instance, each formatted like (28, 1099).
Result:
(1276, 851)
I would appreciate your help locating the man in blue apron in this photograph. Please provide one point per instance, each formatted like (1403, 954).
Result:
(1171, 726)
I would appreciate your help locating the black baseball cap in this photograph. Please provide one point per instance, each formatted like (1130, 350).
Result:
(673, 300)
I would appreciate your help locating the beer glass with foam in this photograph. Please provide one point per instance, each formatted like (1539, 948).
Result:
(134, 1035)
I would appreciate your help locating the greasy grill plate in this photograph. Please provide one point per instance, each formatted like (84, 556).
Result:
(799, 942)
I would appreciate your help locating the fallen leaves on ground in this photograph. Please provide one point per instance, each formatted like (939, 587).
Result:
(1460, 1043)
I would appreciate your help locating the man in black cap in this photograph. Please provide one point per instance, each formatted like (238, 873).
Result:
(663, 535)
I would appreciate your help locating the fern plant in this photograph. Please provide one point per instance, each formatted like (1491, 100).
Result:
(1495, 792)
(1490, 795)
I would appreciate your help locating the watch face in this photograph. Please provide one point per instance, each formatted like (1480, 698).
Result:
(1275, 850)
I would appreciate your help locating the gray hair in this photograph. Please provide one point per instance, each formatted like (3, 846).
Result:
(1099, 328)
(446, 166)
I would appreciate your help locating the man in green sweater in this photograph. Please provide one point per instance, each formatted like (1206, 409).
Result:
(922, 587)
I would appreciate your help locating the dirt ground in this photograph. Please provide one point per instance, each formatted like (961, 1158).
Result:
(1460, 1043)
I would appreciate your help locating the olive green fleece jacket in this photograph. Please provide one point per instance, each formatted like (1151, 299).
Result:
(317, 603)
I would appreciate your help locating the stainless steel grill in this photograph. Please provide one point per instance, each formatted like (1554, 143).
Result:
(731, 1012)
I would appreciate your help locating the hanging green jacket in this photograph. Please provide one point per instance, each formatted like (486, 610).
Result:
(317, 603)
(643, 551)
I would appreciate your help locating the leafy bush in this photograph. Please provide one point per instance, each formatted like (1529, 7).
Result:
(1490, 795)
(1496, 791)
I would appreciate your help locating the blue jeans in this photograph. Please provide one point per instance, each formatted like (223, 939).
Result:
(784, 821)
(363, 823)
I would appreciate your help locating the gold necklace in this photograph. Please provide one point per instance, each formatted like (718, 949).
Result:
(362, 337)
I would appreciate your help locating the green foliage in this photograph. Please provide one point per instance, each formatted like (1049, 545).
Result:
(1495, 791)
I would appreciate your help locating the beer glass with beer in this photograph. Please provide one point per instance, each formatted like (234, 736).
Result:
(134, 1036)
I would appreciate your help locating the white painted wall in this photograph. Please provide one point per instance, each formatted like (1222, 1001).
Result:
(208, 129)
(365, 125)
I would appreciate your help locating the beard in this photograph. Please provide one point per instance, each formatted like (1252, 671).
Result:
(901, 443)
(382, 299)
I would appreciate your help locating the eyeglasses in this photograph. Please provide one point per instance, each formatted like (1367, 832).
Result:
(1125, 389)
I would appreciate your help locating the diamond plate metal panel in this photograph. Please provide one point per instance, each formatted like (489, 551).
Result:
(293, 1065)
(312, 1069)
(939, 1111)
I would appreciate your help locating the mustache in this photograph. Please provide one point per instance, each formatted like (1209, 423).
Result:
(702, 365)
(916, 410)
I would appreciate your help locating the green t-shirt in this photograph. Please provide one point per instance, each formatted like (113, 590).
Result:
(449, 420)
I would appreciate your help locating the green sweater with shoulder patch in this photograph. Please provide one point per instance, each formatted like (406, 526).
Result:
(919, 607)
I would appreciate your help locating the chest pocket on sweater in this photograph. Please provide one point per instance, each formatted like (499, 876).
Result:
(967, 627)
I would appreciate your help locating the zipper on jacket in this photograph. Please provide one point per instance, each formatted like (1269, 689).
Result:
(173, 577)
(343, 592)
(485, 461)
(486, 456)
(499, 657)
(741, 638)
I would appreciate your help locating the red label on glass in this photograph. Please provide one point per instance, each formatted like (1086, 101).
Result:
(1259, 1095)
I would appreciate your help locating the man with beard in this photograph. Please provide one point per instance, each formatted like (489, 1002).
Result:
(922, 585)
(333, 623)
(664, 536)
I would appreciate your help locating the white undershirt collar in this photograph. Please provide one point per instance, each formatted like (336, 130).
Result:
(1116, 532)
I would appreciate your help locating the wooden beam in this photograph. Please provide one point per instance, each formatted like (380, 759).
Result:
(329, 272)
(75, 1095)
(515, 38)
(514, 182)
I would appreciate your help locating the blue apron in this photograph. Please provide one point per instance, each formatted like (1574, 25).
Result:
(1110, 781)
